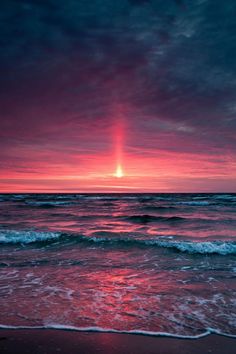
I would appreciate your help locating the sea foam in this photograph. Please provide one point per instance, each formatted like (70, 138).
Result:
(207, 247)
(13, 236)
(95, 329)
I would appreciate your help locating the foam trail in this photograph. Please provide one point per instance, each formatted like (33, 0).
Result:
(106, 330)
(112, 330)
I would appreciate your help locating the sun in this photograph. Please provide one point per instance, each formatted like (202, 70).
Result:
(119, 173)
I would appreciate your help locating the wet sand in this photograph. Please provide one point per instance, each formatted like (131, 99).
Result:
(71, 342)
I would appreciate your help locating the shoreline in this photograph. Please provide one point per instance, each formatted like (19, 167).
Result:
(50, 341)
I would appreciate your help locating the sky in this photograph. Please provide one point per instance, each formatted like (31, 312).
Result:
(143, 87)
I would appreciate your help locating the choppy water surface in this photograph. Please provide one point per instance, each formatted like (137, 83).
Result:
(154, 263)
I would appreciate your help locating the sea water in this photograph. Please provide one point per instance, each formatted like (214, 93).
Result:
(133, 263)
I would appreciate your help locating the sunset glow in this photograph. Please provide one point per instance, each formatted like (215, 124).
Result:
(119, 172)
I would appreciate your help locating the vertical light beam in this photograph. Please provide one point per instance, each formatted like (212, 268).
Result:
(119, 141)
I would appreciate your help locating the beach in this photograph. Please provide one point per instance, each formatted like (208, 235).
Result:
(57, 341)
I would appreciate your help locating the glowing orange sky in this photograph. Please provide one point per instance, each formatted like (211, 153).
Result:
(139, 170)
(160, 172)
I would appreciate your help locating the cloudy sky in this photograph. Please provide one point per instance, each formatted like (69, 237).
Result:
(147, 84)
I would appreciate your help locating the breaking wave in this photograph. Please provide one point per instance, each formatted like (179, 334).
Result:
(206, 247)
(12, 236)
(192, 247)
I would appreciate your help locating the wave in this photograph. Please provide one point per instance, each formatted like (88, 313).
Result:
(95, 329)
(193, 203)
(146, 218)
(206, 247)
(192, 247)
(225, 196)
(13, 236)
(158, 208)
(48, 204)
(107, 197)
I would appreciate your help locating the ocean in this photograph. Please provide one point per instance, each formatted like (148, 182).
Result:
(158, 264)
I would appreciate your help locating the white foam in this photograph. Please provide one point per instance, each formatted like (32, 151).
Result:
(13, 236)
(112, 330)
(106, 330)
(207, 247)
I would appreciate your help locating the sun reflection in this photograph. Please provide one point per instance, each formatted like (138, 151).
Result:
(119, 172)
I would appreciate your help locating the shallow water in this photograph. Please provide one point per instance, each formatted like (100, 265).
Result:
(155, 263)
